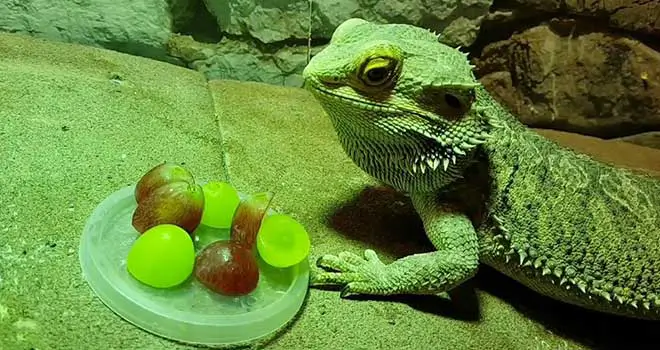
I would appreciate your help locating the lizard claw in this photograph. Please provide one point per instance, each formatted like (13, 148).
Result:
(357, 275)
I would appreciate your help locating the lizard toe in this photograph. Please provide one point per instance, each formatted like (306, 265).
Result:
(372, 257)
(357, 274)
(356, 288)
(352, 259)
(335, 263)
(333, 278)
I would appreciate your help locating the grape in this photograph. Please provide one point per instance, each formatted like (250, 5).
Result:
(220, 203)
(227, 268)
(282, 241)
(247, 219)
(177, 203)
(162, 257)
(158, 176)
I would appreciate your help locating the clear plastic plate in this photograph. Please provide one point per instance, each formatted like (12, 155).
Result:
(188, 313)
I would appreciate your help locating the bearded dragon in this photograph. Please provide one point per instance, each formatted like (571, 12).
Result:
(409, 111)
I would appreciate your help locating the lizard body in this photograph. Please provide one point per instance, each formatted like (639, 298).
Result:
(409, 111)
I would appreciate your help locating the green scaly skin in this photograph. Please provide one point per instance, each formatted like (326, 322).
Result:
(409, 111)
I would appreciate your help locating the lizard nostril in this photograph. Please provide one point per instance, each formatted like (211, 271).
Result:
(331, 81)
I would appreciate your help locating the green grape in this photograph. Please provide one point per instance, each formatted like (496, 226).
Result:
(162, 257)
(220, 203)
(282, 241)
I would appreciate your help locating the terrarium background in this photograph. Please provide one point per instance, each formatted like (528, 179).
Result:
(591, 67)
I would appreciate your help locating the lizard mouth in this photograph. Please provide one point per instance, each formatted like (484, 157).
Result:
(328, 89)
(330, 92)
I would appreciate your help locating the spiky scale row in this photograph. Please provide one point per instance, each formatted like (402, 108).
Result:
(456, 142)
(568, 276)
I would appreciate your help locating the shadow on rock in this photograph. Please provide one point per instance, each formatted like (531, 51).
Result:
(386, 221)
(462, 305)
(592, 329)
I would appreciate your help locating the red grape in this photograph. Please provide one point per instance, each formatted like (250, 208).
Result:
(160, 175)
(227, 267)
(247, 218)
(176, 203)
(168, 194)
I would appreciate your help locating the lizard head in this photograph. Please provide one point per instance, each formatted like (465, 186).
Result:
(403, 104)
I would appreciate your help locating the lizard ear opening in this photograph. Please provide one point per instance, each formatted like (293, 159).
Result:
(446, 103)
(452, 101)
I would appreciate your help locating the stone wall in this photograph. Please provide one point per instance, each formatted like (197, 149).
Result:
(266, 41)
(587, 66)
(136, 27)
(256, 40)
(591, 67)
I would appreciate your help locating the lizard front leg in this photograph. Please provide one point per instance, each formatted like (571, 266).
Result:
(455, 260)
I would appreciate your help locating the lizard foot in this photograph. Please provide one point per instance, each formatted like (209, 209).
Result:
(358, 275)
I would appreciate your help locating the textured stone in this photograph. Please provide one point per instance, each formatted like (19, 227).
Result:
(648, 139)
(182, 12)
(241, 60)
(265, 41)
(635, 15)
(136, 27)
(273, 21)
(575, 79)
(642, 16)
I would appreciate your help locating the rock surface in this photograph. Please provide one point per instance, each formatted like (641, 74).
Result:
(575, 80)
(648, 139)
(566, 68)
(265, 41)
(182, 13)
(79, 123)
(641, 16)
(140, 28)
(274, 21)
(241, 60)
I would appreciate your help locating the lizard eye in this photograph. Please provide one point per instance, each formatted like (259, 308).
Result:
(378, 71)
